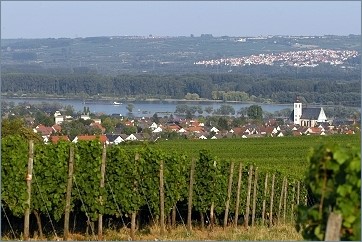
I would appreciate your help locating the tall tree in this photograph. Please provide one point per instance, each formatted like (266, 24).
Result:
(209, 109)
(226, 109)
(155, 118)
(17, 126)
(130, 107)
(255, 112)
(223, 123)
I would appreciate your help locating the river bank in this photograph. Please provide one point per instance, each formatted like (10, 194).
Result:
(125, 100)
(142, 108)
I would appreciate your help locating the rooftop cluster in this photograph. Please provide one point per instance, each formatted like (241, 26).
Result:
(148, 130)
(309, 58)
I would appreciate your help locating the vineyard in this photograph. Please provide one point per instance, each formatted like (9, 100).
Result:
(287, 155)
(74, 187)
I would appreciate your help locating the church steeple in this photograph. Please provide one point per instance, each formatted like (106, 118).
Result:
(297, 110)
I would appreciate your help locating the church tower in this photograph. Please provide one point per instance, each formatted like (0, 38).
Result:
(297, 110)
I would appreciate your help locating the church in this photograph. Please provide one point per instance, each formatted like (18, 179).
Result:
(307, 117)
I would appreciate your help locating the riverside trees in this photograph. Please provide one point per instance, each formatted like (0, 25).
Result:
(225, 86)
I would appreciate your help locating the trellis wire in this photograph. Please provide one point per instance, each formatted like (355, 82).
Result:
(179, 214)
(119, 210)
(148, 205)
(207, 216)
(41, 195)
(85, 210)
(7, 218)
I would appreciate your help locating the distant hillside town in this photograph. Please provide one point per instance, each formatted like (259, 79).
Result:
(305, 58)
(113, 55)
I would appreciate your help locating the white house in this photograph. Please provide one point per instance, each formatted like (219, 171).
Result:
(182, 130)
(131, 137)
(85, 117)
(60, 118)
(97, 120)
(157, 130)
(215, 130)
(57, 113)
(114, 139)
(202, 137)
(153, 126)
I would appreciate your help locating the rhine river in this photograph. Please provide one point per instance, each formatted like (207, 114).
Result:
(143, 108)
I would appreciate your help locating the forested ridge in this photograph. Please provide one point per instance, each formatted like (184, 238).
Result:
(227, 87)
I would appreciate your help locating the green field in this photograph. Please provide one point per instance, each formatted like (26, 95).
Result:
(287, 155)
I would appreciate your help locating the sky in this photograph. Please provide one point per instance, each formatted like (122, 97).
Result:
(72, 19)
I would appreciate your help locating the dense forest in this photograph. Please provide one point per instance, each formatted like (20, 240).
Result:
(225, 86)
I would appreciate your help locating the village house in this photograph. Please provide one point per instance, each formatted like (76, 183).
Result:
(46, 132)
(59, 118)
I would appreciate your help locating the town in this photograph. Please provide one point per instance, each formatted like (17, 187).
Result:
(67, 125)
(303, 58)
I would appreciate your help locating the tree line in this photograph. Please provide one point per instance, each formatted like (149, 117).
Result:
(227, 87)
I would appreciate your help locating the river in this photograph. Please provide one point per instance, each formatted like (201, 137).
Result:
(142, 108)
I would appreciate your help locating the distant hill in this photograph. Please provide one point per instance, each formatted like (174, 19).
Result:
(158, 55)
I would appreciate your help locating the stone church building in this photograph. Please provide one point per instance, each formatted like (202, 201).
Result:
(307, 117)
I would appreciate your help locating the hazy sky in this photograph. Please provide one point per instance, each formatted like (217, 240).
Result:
(36, 19)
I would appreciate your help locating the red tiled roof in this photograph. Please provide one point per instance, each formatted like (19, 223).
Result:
(173, 127)
(315, 130)
(54, 139)
(238, 130)
(57, 127)
(44, 130)
(101, 138)
(296, 133)
(195, 129)
(99, 126)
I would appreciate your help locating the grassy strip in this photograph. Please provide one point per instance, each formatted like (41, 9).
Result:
(283, 232)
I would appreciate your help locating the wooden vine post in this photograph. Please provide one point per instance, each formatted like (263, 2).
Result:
(189, 204)
(229, 194)
(254, 197)
(162, 201)
(281, 200)
(333, 229)
(101, 186)
(293, 199)
(248, 197)
(212, 207)
(202, 220)
(168, 220)
(271, 202)
(28, 190)
(264, 199)
(298, 192)
(285, 199)
(173, 219)
(134, 213)
(69, 192)
(212, 215)
(133, 225)
(237, 204)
